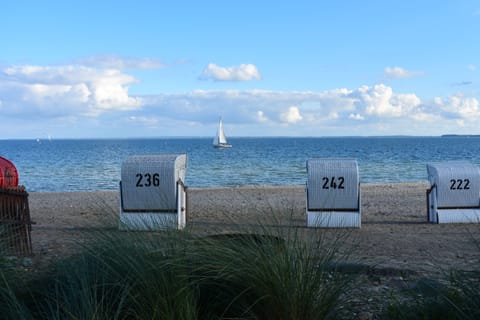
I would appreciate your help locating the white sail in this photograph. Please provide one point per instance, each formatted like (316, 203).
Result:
(215, 140)
(221, 133)
(220, 140)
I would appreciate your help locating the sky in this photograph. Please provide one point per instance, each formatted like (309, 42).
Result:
(126, 69)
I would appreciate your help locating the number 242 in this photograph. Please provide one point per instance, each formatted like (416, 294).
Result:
(333, 183)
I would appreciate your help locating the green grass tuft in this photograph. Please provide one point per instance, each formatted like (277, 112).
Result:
(178, 275)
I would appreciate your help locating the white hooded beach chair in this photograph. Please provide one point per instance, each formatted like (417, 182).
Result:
(454, 194)
(333, 193)
(152, 192)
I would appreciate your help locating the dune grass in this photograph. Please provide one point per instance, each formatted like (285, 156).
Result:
(272, 274)
(263, 272)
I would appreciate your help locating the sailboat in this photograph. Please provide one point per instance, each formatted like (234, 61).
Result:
(220, 141)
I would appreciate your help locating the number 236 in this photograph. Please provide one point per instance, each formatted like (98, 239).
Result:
(147, 180)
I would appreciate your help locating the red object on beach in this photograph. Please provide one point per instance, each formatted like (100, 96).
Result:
(8, 174)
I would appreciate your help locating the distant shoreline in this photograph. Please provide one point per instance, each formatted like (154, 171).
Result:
(460, 136)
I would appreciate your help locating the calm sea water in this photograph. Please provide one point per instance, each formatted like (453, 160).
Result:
(89, 165)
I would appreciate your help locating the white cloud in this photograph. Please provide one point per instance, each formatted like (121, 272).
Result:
(472, 67)
(243, 72)
(356, 116)
(380, 100)
(119, 63)
(64, 90)
(292, 115)
(260, 116)
(82, 99)
(142, 120)
(425, 117)
(458, 106)
(338, 107)
(400, 73)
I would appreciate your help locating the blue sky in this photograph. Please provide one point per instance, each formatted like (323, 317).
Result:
(104, 69)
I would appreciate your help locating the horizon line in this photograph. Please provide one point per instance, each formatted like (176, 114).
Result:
(241, 137)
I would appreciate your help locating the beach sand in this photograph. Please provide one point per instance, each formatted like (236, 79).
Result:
(396, 243)
(394, 233)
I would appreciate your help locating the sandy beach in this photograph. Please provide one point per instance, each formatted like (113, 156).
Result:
(396, 244)
(394, 233)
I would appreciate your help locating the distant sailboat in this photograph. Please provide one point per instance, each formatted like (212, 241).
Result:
(220, 141)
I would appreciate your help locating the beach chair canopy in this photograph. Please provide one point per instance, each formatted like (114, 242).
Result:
(332, 184)
(149, 182)
(457, 184)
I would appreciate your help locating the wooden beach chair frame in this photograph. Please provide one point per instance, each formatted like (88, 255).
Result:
(15, 222)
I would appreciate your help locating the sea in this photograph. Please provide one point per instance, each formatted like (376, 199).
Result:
(53, 165)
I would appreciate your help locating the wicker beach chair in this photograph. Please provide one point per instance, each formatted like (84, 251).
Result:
(454, 194)
(152, 192)
(333, 193)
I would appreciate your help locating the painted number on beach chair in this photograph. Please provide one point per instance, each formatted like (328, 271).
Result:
(333, 183)
(459, 184)
(148, 180)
